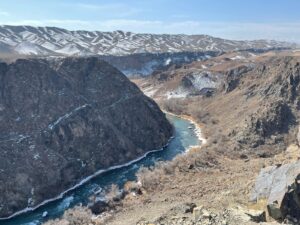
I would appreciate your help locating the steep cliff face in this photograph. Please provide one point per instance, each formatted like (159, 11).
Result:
(61, 121)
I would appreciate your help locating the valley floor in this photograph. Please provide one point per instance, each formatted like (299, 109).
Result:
(222, 191)
(218, 185)
(221, 188)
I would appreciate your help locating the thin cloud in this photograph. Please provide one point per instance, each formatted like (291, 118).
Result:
(113, 9)
(100, 7)
(3, 13)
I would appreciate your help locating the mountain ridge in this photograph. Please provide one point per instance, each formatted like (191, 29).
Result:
(54, 41)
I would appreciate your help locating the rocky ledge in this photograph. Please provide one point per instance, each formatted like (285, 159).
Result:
(61, 121)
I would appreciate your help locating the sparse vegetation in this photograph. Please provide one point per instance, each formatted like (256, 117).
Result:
(114, 193)
(195, 160)
(76, 216)
(176, 106)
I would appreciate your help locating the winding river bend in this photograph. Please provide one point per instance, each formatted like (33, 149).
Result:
(184, 138)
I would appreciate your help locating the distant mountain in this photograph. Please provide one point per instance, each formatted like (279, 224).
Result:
(27, 40)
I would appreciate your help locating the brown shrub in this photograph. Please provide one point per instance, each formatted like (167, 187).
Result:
(176, 106)
(75, 216)
(195, 160)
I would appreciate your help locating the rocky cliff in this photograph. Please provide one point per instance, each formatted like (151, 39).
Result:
(63, 120)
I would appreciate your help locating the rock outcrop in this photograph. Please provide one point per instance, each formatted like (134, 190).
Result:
(62, 121)
(280, 186)
(270, 120)
(233, 76)
(273, 87)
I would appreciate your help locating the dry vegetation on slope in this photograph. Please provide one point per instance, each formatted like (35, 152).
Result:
(253, 109)
(249, 120)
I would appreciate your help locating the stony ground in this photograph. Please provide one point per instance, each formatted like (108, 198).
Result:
(217, 195)
(221, 192)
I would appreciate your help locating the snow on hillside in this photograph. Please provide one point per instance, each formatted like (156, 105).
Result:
(195, 83)
(56, 41)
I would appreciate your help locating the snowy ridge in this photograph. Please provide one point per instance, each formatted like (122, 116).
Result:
(27, 40)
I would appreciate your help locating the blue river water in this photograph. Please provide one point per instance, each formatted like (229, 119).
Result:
(184, 137)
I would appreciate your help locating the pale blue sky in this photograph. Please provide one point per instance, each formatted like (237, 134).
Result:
(234, 19)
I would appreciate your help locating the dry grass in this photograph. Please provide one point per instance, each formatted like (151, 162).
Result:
(76, 216)
(195, 160)
(113, 193)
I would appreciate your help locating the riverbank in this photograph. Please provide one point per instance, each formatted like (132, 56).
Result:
(218, 185)
(197, 125)
(82, 182)
(170, 190)
(185, 134)
(182, 140)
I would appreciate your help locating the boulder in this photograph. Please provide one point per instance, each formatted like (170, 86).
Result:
(247, 215)
(99, 207)
(201, 213)
(280, 185)
(184, 208)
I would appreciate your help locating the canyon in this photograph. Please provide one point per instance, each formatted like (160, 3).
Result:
(68, 110)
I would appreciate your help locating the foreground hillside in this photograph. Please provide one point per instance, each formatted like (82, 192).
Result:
(61, 121)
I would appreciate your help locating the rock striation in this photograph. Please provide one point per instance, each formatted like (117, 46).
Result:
(63, 120)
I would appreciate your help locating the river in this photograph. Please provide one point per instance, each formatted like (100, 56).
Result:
(184, 137)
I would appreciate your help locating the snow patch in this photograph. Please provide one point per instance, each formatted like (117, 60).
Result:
(51, 126)
(238, 57)
(168, 61)
(26, 48)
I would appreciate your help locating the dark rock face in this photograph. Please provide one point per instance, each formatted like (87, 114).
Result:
(99, 207)
(267, 125)
(276, 118)
(62, 121)
(287, 82)
(233, 76)
(275, 85)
